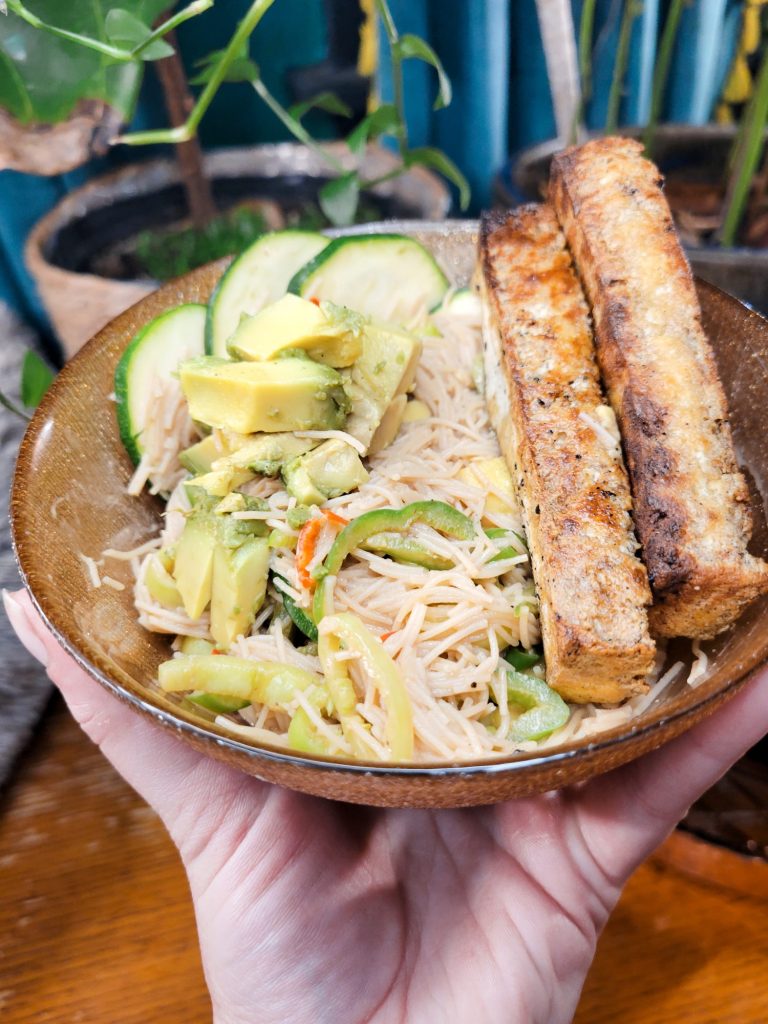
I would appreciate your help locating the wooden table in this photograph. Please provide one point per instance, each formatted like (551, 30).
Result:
(96, 924)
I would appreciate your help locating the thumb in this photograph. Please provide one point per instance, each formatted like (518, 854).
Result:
(194, 795)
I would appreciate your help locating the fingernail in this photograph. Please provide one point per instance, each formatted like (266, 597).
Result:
(23, 628)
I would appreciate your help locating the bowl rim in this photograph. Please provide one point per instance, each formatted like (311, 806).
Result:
(180, 721)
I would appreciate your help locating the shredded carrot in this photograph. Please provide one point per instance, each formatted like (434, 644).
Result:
(386, 636)
(334, 519)
(305, 550)
(315, 299)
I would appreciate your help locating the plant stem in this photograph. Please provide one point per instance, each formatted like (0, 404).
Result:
(115, 52)
(586, 32)
(191, 11)
(372, 182)
(661, 72)
(12, 407)
(179, 103)
(749, 147)
(620, 67)
(397, 73)
(294, 126)
(182, 133)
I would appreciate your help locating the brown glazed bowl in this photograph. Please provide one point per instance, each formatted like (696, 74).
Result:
(69, 500)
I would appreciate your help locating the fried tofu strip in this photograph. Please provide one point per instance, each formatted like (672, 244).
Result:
(560, 440)
(690, 500)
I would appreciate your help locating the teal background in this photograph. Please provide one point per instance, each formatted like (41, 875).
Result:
(492, 51)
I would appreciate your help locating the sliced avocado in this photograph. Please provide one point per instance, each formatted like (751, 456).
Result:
(201, 456)
(193, 568)
(331, 469)
(497, 473)
(326, 332)
(220, 482)
(204, 533)
(195, 645)
(416, 410)
(287, 394)
(239, 588)
(265, 453)
(385, 369)
(386, 432)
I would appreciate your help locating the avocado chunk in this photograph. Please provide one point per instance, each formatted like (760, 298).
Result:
(262, 454)
(201, 456)
(331, 469)
(193, 567)
(204, 533)
(287, 394)
(239, 588)
(386, 368)
(390, 423)
(266, 453)
(328, 333)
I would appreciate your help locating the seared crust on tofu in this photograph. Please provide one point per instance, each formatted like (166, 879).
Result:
(555, 429)
(690, 500)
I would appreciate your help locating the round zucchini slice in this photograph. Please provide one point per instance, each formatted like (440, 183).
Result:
(391, 278)
(258, 276)
(156, 351)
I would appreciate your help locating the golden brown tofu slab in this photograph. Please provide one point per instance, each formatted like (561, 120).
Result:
(690, 500)
(559, 438)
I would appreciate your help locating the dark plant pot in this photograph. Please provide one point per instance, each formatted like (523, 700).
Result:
(700, 151)
(63, 249)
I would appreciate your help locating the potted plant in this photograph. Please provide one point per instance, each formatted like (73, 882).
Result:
(107, 244)
(714, 183)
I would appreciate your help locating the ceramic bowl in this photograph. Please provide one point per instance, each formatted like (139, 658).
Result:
(69, 500)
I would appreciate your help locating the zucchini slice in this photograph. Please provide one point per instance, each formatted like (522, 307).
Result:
(156, 351)
(391, 278)
(464, 302)
(258, 276)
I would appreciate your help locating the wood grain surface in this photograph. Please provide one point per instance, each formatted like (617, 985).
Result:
(96, 924)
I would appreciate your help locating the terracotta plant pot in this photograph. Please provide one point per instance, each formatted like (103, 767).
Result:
(61, 248)
(701, 151)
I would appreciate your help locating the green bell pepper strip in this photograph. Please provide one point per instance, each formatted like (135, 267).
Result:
(544, 709)
(437, 514)
(348, 630)
(262, 682)
(303, 736)
(510, 550)
(405, 550)
(520, 659)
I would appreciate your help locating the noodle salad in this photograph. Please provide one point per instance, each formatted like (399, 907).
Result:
(349, 578)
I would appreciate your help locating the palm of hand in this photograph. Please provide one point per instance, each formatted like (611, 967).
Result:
(310, 911)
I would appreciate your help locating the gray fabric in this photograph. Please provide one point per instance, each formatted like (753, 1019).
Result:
(24, 686)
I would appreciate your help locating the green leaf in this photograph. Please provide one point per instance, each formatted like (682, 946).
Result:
(127, 31)
(338, 199)
(36, 378)
(31, 91)
(427, 156)
(413, 46)
(382, 121)
(242, 68)
(327, 101)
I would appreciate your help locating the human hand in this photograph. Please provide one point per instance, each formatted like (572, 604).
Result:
(311, 911)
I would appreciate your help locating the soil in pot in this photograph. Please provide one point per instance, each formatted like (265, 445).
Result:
(149, 236)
